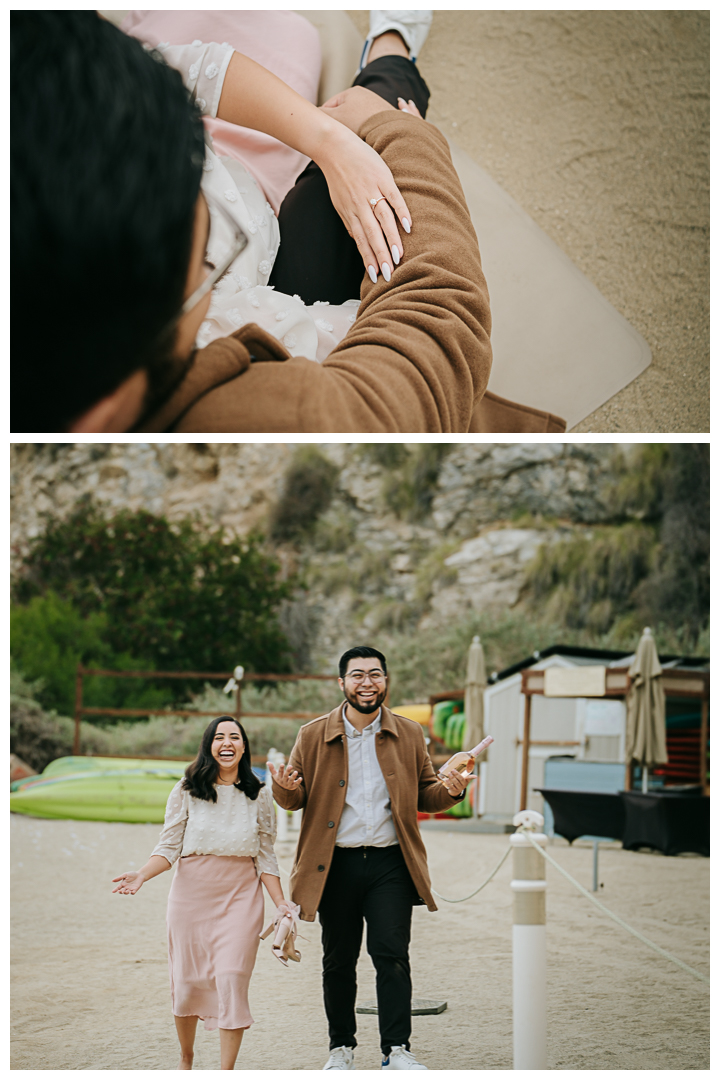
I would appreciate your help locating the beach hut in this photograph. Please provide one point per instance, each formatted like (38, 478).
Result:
(582, 727)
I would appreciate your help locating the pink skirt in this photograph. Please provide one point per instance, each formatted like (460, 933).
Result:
(214, 919)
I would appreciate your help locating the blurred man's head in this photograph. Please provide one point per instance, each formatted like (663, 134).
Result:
(108, 227)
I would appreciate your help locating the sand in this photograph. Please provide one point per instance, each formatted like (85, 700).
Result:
(90, 984)
(597, 123)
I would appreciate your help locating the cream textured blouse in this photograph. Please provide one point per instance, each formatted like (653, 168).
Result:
(243, 295)
(234, 825)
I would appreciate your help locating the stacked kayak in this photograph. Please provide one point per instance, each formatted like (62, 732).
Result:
(99, 789)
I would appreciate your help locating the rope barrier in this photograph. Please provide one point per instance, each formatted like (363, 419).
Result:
(447, 899)
(571, 879)
(485, 882)
(615, 918)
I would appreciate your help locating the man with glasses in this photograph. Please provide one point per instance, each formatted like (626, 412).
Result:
(361, 773)
(112, 279)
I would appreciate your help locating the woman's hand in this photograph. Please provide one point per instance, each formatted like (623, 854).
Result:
(288, 780)
(355, 174)
(253, 97)
(411, 107)
(129, 882)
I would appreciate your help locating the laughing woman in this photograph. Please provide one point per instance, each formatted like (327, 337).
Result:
(220, 829)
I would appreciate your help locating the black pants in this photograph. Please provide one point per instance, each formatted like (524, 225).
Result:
(317, 259)
(371, 885)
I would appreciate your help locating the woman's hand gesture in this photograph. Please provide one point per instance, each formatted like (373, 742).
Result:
(355, 174)
(129, 882)
(288, 780)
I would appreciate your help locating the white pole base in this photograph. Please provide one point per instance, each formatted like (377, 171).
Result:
(529, 993)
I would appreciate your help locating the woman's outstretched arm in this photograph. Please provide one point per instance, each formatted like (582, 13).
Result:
(274, 888)
(253, 97)
(131, 881)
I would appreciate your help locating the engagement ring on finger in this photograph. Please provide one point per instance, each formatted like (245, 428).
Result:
(374, 202)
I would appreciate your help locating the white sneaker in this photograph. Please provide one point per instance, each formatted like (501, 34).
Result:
(412, 26)
(400, 1058)
(341, 1057)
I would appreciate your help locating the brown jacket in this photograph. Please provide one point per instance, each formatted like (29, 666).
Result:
(418, 356)
(320, 756)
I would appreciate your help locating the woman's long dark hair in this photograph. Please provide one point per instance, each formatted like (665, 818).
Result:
(201, 776)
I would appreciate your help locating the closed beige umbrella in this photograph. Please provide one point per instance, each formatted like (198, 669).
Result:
(475, 683)
(645, 740)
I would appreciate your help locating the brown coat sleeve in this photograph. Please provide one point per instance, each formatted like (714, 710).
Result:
(418, 356)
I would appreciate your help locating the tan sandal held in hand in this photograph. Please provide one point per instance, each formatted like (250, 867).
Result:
(285, 926)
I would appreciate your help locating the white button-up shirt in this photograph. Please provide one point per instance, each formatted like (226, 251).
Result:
(366, 820)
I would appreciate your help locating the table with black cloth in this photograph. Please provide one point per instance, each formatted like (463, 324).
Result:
(586, 813)
(667, 821)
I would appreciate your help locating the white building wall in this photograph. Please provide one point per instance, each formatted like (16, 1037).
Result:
(593, 727)
(502, 702)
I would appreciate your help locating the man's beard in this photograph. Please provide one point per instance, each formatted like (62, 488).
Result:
(363, 707)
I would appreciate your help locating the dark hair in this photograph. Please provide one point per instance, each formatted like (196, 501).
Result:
(360, 652)
(107, 149)
(201, 775)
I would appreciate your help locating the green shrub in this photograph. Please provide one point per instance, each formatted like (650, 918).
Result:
(48, 638)
(38, 736)
(386, 455)
(588, 580)
(652, 567)
(183, 596)
(410, 489)
(307, 492)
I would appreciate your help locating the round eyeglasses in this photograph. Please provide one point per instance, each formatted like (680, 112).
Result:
(226, 240)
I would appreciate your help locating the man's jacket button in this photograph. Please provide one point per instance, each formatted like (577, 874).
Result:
(342, 783)
(321, 867)
(331, 824)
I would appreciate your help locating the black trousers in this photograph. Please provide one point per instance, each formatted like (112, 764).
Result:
(317, 259)
(371, 885)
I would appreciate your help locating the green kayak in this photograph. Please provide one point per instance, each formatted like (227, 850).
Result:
(99, 789)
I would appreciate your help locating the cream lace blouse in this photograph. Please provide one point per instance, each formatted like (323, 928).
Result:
(234, 825)
(243, 295)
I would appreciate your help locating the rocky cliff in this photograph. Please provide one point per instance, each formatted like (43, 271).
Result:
(398, 543)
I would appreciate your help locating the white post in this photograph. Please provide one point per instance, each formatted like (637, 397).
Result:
(295, 820)
(529, 954)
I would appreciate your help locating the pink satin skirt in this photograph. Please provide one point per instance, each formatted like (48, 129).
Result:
(214, 920)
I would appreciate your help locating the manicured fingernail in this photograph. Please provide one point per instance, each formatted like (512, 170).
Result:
(411, 102)
(372, 272)
(395, 254)
(402, 101)
(406, 224)
(386, 271)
